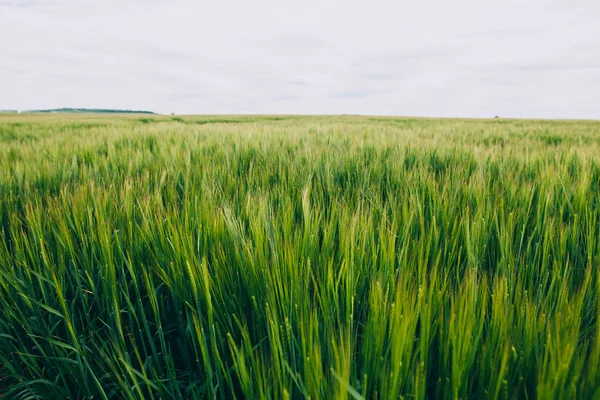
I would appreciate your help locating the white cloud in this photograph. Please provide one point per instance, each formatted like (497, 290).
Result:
(434, 58)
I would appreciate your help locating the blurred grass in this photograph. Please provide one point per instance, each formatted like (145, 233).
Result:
(298, 257)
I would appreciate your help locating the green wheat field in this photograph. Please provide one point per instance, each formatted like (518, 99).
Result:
(161, 257)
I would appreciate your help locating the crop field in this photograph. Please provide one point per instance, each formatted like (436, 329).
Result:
(160, 257)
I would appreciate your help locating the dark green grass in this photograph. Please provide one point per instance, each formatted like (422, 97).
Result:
(299, 257)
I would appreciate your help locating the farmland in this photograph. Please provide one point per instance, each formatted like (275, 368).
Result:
(298, 257)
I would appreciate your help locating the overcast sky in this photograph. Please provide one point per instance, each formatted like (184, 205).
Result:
(460, 58)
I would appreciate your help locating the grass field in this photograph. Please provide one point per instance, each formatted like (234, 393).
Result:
(298, 257)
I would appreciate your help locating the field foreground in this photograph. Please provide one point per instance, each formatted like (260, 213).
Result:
(298, 257)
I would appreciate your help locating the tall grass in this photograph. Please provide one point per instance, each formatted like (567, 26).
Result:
(299, 257)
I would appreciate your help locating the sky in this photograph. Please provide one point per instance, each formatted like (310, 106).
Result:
(437, 58)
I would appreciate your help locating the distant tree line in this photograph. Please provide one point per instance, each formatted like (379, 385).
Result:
(88, 110)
